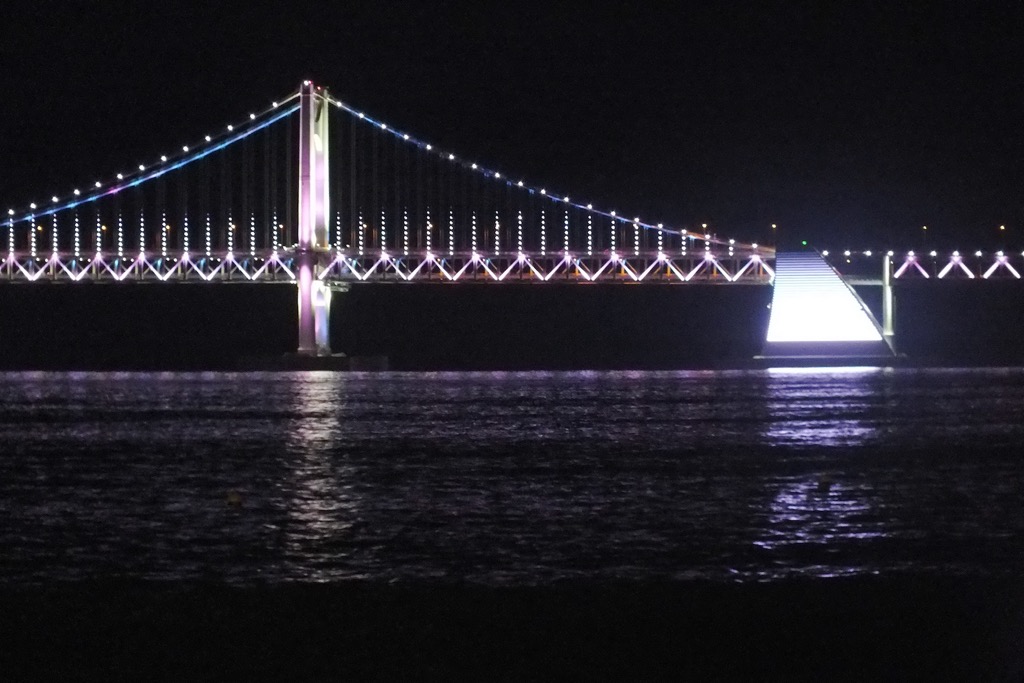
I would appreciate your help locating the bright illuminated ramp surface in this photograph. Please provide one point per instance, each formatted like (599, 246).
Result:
(816, 316)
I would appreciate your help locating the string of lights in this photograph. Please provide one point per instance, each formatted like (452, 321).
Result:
(188, 155)
(498, 176)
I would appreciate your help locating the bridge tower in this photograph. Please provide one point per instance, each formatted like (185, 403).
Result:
(314, 209)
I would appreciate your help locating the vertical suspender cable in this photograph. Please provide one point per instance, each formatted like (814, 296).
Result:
(243, 215)
(184, 243)
(289, 216)
(250, 193)
(397, 191)
(375, 201)
(161, 212)
(354, 228)
(467, 217)
(140, 200)
(419, 220)
(225, 200)
(266, 189)
(208, 238)
(275, 220)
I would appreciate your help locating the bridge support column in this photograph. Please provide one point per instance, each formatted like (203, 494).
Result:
(314, 209)
(314, 311)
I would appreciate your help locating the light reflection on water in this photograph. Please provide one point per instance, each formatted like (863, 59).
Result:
(819, 511)
(822, 407)
(322, 503)
(510, 477)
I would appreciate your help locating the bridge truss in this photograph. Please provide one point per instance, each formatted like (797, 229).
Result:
(933, 265)
(340, 267)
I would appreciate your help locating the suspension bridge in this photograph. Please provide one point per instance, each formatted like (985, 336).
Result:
(284, 195)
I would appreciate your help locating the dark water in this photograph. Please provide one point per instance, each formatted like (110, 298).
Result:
(511, 478)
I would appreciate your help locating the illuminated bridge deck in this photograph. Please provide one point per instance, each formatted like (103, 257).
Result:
(340, 266)
(816, 314)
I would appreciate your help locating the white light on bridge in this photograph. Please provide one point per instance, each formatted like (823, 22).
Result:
(53, 199)
(141, 167)
(430, 147)
(77, 192)
(451, 157)
(208, 138)
(163, 158)
(184, 148)
(977, 253)
(520, 183)
(497, 175)
(97, 183)
(120, 176)
(32, 205)
(811, 303)
(252, 117)
(230, 127)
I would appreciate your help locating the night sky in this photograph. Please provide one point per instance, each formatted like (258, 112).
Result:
(855, 125)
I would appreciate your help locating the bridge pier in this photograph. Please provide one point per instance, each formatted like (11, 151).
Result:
(887, 300)
(314, 305)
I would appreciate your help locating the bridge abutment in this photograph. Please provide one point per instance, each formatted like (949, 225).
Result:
(817, 318)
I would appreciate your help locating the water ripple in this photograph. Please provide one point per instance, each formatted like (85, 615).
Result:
(510, 478)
